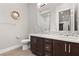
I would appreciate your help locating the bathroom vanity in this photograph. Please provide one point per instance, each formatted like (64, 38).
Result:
(54, 45)
(57, 45)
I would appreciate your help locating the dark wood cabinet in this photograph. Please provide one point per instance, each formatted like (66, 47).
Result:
(37, 45)
(48, 47)
(41, 46)
(33, 44)
(63, 48)
(51, 47)
(74, 49)
(59, 48)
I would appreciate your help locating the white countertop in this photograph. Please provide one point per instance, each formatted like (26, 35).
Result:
(69, 38)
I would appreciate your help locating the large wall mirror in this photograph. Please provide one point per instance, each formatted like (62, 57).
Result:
(67, 20)
(64, 20)
(44, 21)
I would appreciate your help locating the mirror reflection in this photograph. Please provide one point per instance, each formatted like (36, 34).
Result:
(65, 20)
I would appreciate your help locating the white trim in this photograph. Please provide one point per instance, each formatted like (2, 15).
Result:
(9, 48)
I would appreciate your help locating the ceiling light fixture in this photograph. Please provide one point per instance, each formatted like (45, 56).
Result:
(39, 5)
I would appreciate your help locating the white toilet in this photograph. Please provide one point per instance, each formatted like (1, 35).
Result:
(25, 44)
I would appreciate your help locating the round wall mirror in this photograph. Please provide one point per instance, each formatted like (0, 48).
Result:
(15, 15)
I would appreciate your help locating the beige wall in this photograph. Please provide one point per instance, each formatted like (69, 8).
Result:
(32, 18)
(10, 29)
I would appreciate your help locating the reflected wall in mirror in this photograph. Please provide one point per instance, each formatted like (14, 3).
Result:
(64, 20)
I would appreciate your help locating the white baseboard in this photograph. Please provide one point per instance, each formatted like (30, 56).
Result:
(9, 48)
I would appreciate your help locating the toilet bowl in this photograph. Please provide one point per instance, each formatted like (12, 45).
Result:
(25, 44)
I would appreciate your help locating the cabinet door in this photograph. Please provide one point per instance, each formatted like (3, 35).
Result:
(48, 47)
(33, 44)
(40, 50)
(59, 48)
(37, 45)
(74, 49)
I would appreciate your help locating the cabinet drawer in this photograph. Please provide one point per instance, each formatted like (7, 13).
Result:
(48, 50)
(48, 41)
(47, 47)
